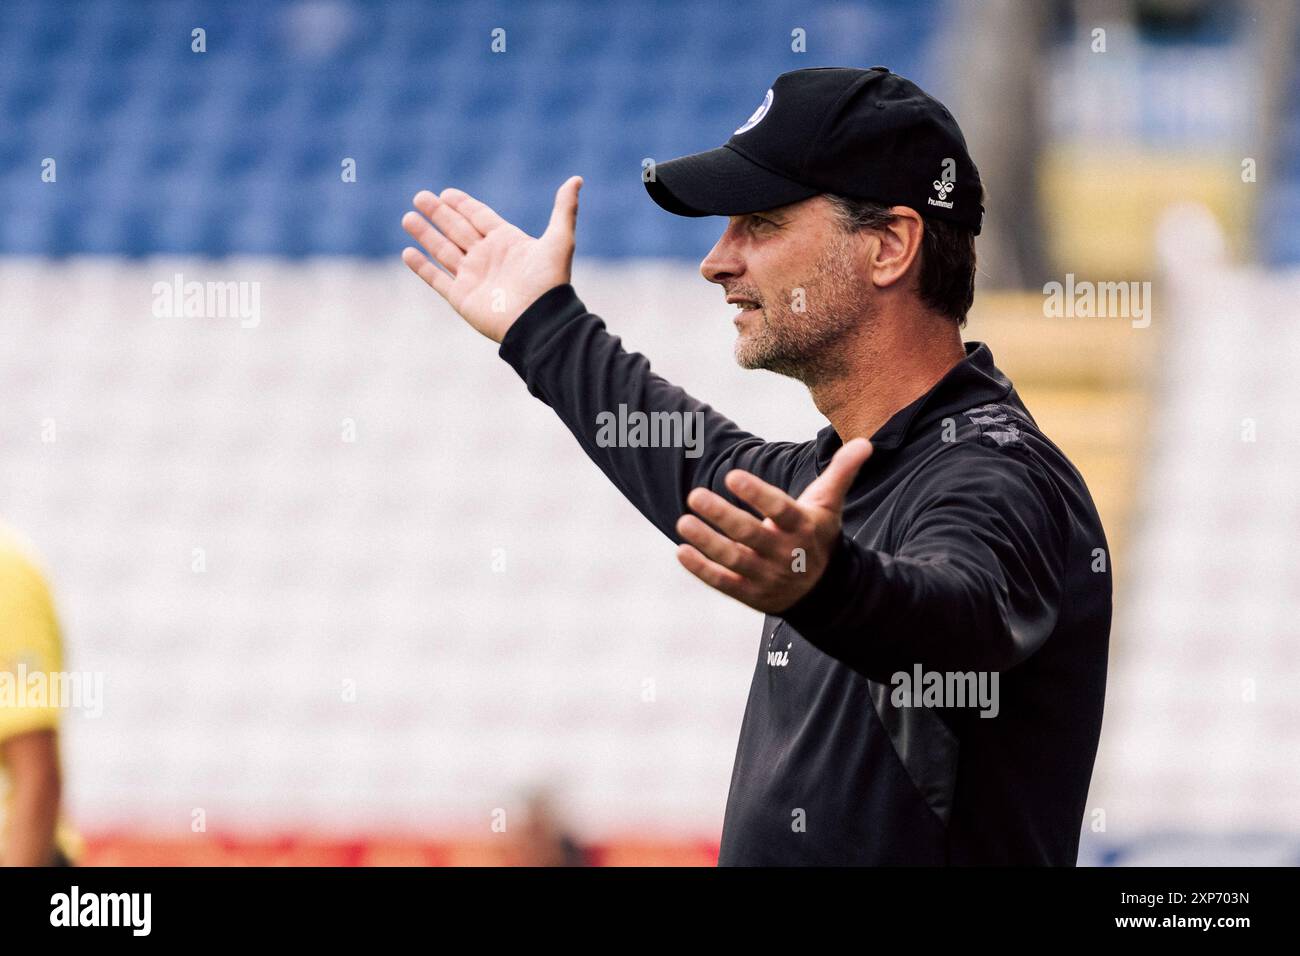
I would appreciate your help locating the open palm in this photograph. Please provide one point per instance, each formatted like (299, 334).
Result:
(491, 270)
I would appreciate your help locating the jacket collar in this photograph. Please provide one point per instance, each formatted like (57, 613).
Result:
(972, 382)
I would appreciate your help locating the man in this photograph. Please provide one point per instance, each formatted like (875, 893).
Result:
(30, 782)
(931, 672)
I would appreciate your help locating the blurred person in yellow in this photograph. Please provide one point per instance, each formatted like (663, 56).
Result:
(31, 830)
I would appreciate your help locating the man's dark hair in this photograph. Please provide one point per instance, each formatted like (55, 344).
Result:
(947, 281)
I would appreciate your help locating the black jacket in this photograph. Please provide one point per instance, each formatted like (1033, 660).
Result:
(971, 548)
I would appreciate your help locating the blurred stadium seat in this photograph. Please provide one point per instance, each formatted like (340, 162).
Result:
(238, 150)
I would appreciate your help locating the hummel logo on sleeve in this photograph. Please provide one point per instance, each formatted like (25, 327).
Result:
(994, 422)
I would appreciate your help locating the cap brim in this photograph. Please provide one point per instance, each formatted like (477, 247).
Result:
(720, 182)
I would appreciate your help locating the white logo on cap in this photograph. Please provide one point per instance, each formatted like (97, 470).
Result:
(758, 114)
(945, 184)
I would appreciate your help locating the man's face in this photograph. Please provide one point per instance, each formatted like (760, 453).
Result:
(792, 271)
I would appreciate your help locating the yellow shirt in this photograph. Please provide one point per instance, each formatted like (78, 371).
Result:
(29, 642)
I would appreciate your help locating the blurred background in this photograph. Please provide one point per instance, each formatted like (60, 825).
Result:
(357, 598)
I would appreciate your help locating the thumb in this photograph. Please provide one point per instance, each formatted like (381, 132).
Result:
(832, 485)
(564, 214)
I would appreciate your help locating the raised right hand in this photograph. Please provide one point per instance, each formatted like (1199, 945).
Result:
(494, 270)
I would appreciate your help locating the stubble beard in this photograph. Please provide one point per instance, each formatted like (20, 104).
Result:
(808, 346)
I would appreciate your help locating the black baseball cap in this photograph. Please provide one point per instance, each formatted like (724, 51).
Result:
(864, 134)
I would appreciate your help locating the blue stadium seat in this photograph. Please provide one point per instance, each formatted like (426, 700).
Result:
(180, 141)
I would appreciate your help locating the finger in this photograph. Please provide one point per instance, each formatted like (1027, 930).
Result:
(712, 574)
(452, 224)
(426, 270)
(434, 242)
(480, 215)
(767, 499)
(830, 487)
(718, 547)
(736, 523)
(564, 214)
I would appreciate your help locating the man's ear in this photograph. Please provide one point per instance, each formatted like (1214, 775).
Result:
(900, 246)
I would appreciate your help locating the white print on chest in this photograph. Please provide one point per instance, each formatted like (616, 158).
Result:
(779, 658)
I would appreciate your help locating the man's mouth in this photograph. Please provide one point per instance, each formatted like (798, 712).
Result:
(745, 305)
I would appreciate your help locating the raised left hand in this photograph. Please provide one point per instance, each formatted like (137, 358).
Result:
(772, 563)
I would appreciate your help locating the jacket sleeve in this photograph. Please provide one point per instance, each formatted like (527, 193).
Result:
(568, 360)
(974, 584)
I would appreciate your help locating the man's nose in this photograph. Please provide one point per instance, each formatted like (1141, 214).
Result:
(723, 261)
